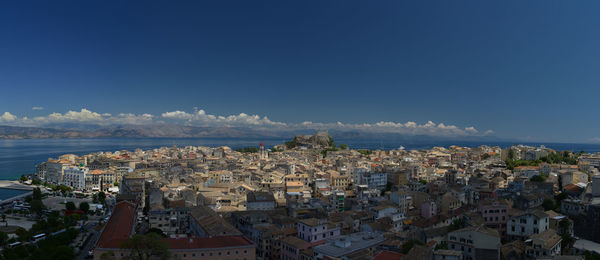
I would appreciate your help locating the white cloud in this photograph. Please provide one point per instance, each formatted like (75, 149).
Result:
(411, 128)
(37, 108)
(471, 129)
(595, 140)
(83, 116)
(133, 119)
(199, 117)
(7, 117)
(488, 132)
(86, 116)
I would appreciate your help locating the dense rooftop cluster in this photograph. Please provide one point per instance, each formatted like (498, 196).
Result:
(297, 202)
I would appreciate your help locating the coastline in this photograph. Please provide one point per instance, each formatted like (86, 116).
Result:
(14, 185)
(11, 199)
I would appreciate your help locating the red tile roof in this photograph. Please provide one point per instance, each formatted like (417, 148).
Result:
(205, 243)
(388, 255)
(119, 226)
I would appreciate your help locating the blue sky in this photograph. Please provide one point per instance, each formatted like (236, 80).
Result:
(524, 69)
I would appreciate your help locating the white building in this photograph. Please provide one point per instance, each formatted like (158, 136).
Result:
(75, 177)
(475, 242)
(544, 244)
(374, 180)
(523, 225)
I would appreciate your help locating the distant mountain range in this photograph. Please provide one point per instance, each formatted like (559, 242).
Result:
(179, 131)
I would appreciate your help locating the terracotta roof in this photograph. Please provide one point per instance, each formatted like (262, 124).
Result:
(296, 242)
(388, 255)
(118, 227)
(208, 243)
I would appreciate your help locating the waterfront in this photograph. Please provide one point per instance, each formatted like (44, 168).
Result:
(10, 193)
(20, 156)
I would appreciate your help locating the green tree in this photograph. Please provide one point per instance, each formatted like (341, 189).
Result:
(548, 204)
(157, 231)
(22, 234)
(511, 154)
(70, 220)
(485, 156)
(70, 205)
(148, 246)
(62, 252)
(23, 178)
(567, 242)
(560, 187)
(247, 150)
(456, 225)
(559, 198)
(84, 206)
(364, 151)
(406, 246)
(343, 146)
(37, 194)
(443, 245)
(537, 178)
(3, 238)
(116, 184)
(37, 207)
(292, 144)
(101, 197)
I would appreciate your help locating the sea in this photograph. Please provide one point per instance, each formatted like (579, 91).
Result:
(20, 156)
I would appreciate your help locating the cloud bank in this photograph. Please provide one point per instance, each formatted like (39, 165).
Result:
(199, 117)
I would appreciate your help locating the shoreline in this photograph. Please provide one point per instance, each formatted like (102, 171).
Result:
(11, 199)
(15, 185)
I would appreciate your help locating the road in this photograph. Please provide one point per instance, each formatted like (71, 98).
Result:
(91, 229)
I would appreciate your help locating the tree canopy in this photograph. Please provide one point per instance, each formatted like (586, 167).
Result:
(70, 205)
(148, 246)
